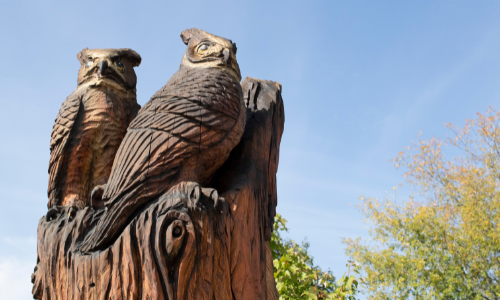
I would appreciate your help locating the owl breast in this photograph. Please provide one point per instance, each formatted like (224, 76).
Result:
(86, 136)
(108, 114)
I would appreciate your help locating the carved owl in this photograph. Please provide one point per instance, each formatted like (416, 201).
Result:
(91, 124)
(184, 133)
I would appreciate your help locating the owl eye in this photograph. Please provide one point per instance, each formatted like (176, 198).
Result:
(88, 64)
(203, 48)
(118, 64)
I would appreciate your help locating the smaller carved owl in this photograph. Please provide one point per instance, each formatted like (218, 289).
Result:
(91, 125)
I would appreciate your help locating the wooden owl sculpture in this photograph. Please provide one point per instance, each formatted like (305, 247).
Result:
(91, 125)
(184, 133)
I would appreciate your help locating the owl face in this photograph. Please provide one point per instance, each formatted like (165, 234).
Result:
(205, 50)
(113, 67)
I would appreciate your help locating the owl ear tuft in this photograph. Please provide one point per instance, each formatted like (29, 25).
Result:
(82, 55)
(186, 35)
(234, 48)
(133, 56)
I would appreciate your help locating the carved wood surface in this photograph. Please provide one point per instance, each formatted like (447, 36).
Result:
(186, 243)
(174, 249)
(91, 124)
(248, 182)
(184, 133)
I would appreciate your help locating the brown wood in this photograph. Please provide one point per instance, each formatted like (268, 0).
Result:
(91, 125)
(248, 182)
(176, 248)
(184, 133)
(157, 232)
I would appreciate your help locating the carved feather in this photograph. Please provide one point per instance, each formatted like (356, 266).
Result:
(60, 138)
(185, 132)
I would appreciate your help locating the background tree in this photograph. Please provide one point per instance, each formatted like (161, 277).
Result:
(444, 242)
(297, 276)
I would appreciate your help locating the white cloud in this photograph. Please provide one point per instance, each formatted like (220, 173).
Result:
(15, 278)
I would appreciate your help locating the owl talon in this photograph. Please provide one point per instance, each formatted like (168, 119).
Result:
(194, 194)
(72, 212)
(213, 195)
(96, 201)
(215, 198)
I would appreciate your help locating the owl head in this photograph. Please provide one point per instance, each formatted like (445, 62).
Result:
(205, 50)
(113, 67)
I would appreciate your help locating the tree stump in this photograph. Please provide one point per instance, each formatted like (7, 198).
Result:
(189, 243)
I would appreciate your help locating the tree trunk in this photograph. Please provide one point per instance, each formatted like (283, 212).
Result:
(189, 243)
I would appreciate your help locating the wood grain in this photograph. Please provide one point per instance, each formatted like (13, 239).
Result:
(186, 242)
(184, 133)
(248, 182)
(91, 124)
(166, 252)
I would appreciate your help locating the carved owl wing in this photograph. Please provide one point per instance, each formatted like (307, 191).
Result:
(60, 138)
(185, 117)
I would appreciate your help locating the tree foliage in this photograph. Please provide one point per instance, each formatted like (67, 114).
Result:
(444, 242)
(298, 278)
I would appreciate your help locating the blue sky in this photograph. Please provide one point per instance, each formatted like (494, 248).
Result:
(360, 79)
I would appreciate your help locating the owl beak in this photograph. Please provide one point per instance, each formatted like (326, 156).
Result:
(103, 65)
(227, 55)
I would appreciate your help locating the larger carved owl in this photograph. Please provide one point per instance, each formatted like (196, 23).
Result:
(184, 133)
(91, 125)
